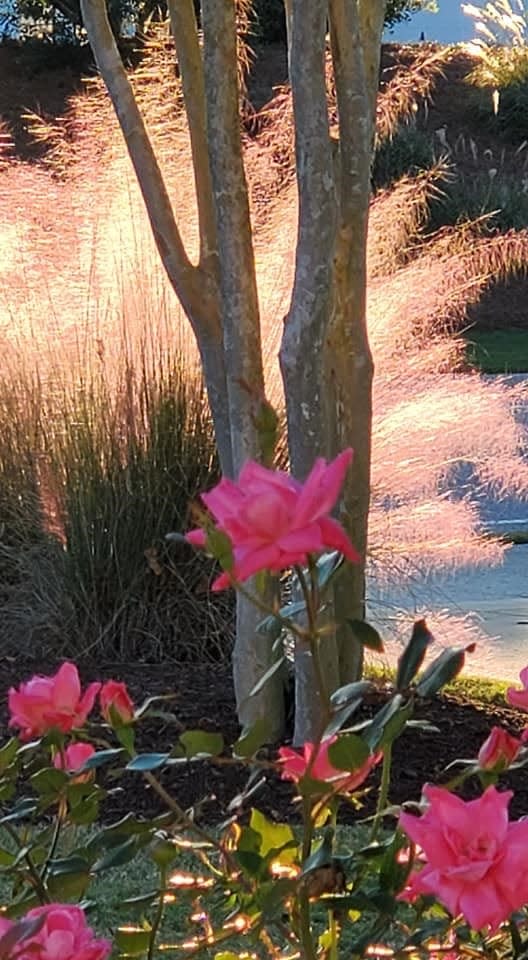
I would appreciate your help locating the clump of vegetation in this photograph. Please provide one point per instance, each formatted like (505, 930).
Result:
(408, 152)
(501, 69)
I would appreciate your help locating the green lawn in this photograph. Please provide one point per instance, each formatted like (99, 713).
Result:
(498, 351)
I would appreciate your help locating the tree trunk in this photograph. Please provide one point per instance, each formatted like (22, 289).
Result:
(302, 347)
(252, 654)
(356, 43)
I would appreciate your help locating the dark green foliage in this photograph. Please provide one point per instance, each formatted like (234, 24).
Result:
(61, 18)
(269, 23)
(409, 152)
(399, 10)
(470, 197)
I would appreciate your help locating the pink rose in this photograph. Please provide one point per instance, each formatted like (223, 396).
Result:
(273, 521)
(498, 751)
(519, 698)
(295, 766)
(115, 695)
(64, 935)
(74, 757)
(46, 703)
(475, 859)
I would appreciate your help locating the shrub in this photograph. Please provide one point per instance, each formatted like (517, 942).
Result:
(496, 195)
(410, 151)
(90, 491)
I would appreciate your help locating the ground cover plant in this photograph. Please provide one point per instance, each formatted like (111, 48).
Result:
(446, 875)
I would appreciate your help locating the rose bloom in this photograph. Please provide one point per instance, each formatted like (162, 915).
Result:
(475, 859)
(498, 751)
(519, 698)
(74, 757)
(115, 695)
(295, 766)
(46, 703)
(64, 935)
(274, 522)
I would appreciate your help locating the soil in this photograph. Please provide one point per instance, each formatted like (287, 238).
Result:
(203, 698)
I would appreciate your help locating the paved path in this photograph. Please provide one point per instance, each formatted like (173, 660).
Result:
(494, 598)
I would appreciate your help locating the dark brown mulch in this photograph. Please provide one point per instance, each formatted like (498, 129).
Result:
(203, 698)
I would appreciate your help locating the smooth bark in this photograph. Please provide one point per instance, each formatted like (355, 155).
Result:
(252, 654)
(302, 347)
(356, 40)
(196, 287)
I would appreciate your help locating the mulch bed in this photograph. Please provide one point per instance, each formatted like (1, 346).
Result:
(203, 698)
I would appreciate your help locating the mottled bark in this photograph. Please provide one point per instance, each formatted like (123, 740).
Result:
(356, 39)
(241, 324)
(302, 347)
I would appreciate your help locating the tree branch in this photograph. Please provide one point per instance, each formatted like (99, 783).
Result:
(185, 32)
(192, 286)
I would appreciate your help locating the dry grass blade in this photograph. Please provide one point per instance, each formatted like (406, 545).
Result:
(410, 85)
(397, 217)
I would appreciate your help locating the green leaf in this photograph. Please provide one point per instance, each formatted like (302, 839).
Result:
(101, 758)
(125, 733)
(6, 858)
(349, 752)
(322, 856)
(366, 634)
(345, 701)
(147, 761)
(388, 723)
(132, 941)
(267, 676)
(163, 851)
(327, 566)
(351, 693)
(64, 866)
(275, 837)
(412, 657)
(49, 780)
(71, 886)
(253, 738)
(199, 743)
(220, 547)
(85, 812)
(118, 856)
(8, 753)
(442, 670)
(272, 625)
(250, 861)
(142, 900)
